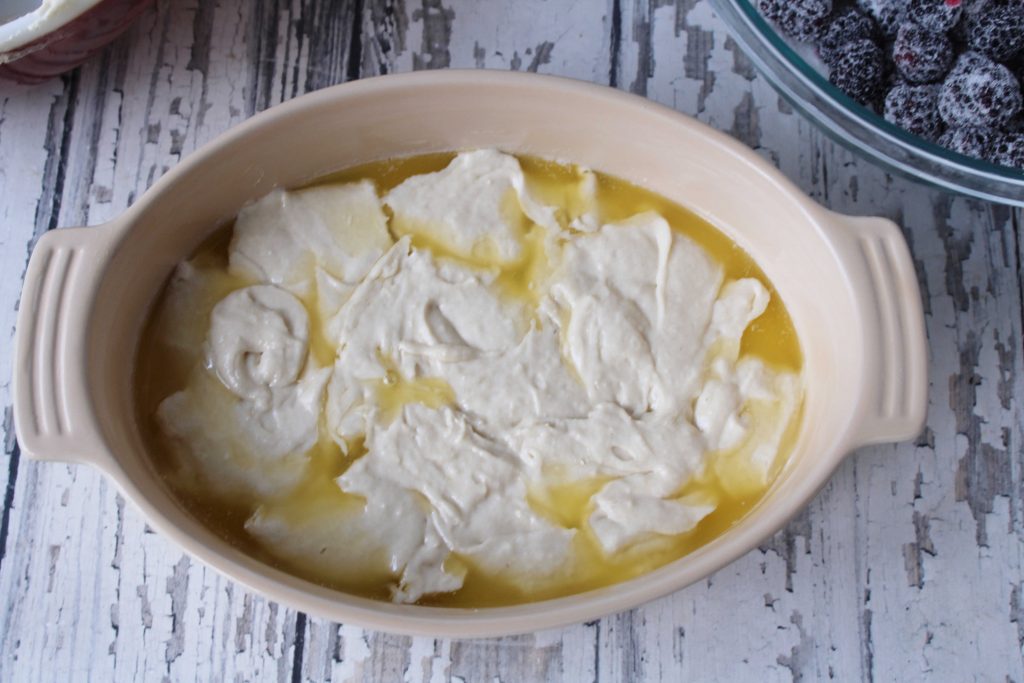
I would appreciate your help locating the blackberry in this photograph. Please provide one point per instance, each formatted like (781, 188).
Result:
(970, 10)
(1014, 125)
(935, 15)
(846, 25)
(970, 60)
(915, 109)
(979, 93)
(801, 19)
(999, 33)
(1008, 150)
(974, 8)
(906, 50)
(920, 55)
(888, 13)
(858, 69)
(972, 142)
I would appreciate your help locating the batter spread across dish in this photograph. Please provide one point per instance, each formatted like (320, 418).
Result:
(467, 375)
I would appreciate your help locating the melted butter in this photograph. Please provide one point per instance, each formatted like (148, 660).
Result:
(162, 370)
(318, 492)
(388, 173)
(567, 186)
(522, 278)
(525, 278)
(729, 472)
(771, 337)
(567, 504)
(395, 391)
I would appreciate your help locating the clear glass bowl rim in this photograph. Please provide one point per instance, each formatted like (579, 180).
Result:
(856, 126)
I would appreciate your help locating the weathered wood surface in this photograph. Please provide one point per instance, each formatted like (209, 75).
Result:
(907, 566)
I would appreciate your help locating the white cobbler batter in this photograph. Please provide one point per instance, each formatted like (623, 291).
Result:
(623, 368)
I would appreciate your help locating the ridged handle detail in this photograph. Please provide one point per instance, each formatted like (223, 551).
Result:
(52, 412)
(47, 328)
(895, 389)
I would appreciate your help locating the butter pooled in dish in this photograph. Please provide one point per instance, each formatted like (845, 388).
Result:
(404, 384)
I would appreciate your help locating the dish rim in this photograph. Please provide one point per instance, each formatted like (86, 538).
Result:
(420, 620)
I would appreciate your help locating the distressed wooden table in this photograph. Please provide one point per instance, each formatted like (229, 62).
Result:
(907, 566)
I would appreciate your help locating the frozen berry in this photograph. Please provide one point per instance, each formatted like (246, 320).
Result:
(973, 8)
(999, 33)
(915, 109)
(1008, 150)
(920, 55)
(979, 93)
(858, 69)
(802, 19)
(969, 9)
(972, 142)
(971, 60)
(888, 13)
(935, 15)
(844, 26)
(1014, 125)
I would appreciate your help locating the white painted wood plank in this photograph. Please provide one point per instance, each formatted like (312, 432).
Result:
(565, 38)
(31, 126)
(951, 506)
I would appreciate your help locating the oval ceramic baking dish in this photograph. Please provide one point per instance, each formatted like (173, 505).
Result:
(848, 283)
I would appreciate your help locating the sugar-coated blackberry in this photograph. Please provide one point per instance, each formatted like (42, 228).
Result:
(979, 93)
(973, 8)
(845, 25)
(986, 5)
(969, 10)
(888, 13)
(915, 109)
(801, 19)
(907, 50)
(1016, 124)
(999, 32)
(920, 55)
(1008, 150)
(935, 15)
(970, 60)
(858, 69)
(972, 142)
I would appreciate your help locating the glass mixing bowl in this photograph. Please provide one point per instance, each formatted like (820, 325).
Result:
(856, 126)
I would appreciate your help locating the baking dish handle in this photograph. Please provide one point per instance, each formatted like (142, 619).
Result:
(53, 418)
(894, 399)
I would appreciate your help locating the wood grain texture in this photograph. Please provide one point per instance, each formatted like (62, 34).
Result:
(907, 566)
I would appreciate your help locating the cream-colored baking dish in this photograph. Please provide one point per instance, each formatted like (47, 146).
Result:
(848, 283)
